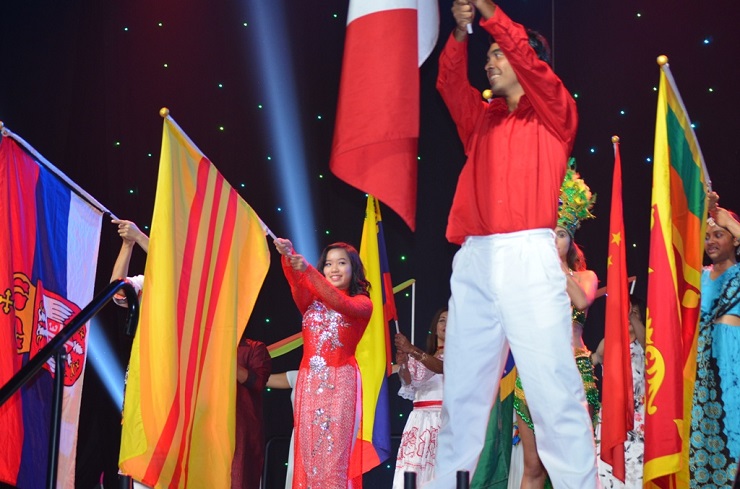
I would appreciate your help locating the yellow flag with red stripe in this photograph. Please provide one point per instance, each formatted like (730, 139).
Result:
(208, 257)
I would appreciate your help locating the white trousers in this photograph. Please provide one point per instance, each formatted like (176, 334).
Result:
(508, 291)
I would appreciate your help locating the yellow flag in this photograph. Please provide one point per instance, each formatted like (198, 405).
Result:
(207, 260)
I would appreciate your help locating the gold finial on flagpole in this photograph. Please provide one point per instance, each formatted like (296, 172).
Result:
(164, 112)
(662, 59)
(487, 94)
(615, 139)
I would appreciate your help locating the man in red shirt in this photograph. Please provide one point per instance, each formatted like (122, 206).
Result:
(508, 288)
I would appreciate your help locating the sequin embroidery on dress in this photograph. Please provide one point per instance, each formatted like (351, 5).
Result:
(323, 324)
(329, 390)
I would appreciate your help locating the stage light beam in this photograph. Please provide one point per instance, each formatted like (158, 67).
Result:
(271, 41)
(105, 362)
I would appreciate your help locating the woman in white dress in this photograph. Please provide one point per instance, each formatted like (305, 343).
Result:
(421, 381)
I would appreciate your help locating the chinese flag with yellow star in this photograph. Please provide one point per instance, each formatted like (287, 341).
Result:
(618, 400)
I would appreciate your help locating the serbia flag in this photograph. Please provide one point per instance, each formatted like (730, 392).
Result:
(48, 256)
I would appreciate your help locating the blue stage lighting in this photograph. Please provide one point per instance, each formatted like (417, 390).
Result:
(272, 44)
(105, 362)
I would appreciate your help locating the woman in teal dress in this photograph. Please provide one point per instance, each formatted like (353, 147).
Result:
(715, 417)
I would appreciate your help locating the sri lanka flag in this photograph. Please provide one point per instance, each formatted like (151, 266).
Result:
(377, 128)
(47, 274)
(373, 445)
(679, 216)
(207, 260)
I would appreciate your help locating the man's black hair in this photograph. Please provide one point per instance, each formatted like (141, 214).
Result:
(540, 46)
(538, 42)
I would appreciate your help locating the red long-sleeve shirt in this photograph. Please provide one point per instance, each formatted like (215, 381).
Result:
(516, 160)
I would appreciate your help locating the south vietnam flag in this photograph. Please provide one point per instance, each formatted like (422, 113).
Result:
(377, 128)
(207, 260)
(678, 225)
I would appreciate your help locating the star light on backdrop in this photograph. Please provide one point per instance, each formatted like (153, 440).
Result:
(96, 124)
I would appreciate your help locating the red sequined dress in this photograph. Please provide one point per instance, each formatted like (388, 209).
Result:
(328, 390)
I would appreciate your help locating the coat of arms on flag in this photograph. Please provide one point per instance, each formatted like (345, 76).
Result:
(47, 274)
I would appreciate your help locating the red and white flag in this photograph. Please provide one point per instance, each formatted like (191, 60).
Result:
(377, 127)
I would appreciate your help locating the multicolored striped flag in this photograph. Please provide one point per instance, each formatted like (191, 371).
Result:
(377, 127)
(679, 214)
(207, 259)
(617, 413)
(50, 244)
(373, 353)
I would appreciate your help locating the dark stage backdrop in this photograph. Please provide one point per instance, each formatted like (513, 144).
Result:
(83, 81)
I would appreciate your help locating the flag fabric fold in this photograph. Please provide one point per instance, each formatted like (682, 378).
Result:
(377, 126)
(207, 259)
(494, 463)
(617, 413)
(47, 275)
(373, 354)
(678, 226)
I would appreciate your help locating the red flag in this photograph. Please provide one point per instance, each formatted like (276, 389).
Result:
(377, 128)
(618, 395)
